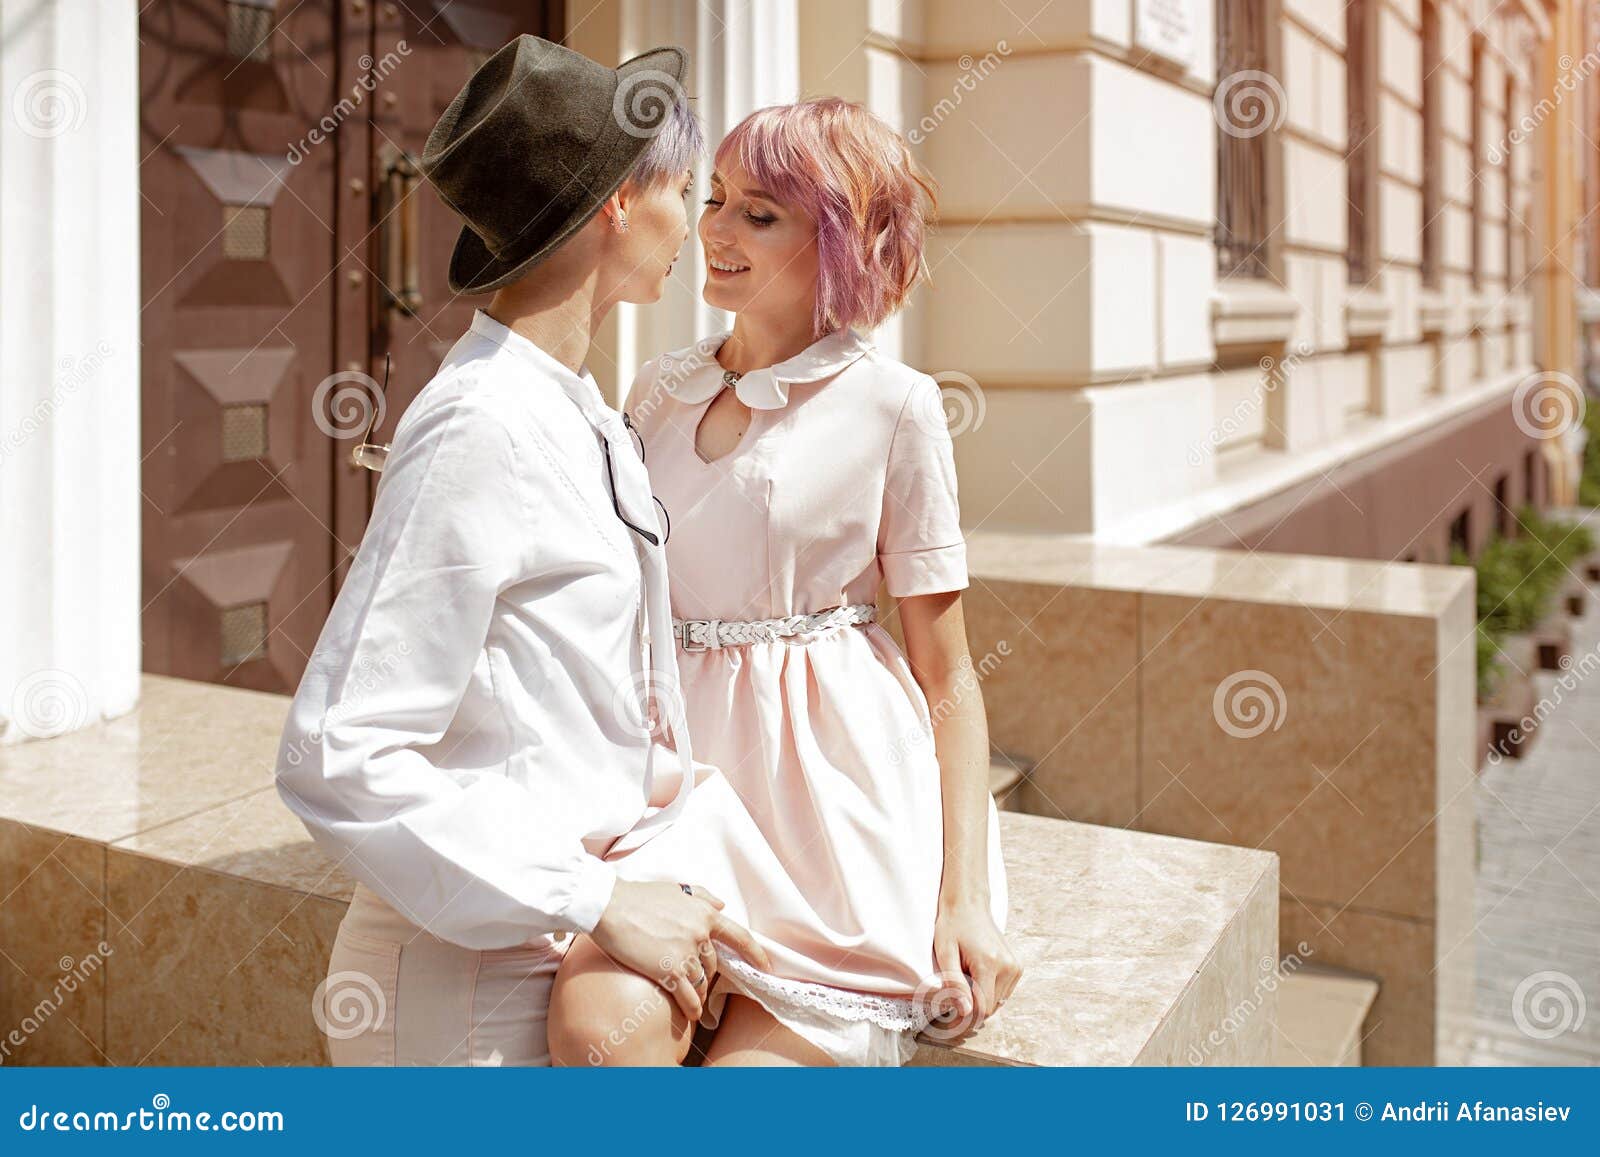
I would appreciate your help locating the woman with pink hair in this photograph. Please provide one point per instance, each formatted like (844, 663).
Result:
(850, 826)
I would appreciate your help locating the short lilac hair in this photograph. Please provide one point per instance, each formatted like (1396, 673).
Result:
(855, 177)
(677, 145)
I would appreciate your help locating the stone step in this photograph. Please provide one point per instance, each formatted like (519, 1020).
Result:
(1321, 1014)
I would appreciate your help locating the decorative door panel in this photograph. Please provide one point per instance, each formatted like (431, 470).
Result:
(235, 250)
(286, 247)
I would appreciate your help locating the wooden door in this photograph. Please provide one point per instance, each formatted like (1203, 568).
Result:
(286, 248)
(399, 304)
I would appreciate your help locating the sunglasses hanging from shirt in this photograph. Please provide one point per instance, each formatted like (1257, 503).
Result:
(368, 453)
(638, 441)
(374, 456)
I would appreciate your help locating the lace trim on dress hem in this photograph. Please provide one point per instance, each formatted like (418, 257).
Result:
(891, 1012)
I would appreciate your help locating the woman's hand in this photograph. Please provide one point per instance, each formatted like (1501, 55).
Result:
(966, 940)
(661, 933)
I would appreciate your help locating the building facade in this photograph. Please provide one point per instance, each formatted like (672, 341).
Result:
(1294, 274)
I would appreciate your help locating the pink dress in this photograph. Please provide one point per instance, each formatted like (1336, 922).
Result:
(822, 828)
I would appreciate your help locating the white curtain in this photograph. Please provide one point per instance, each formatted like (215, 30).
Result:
(69, 364)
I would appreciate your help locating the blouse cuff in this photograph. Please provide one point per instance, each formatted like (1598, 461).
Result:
(926, 572)
(592, 886)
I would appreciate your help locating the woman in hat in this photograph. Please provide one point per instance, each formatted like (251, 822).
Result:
(456, 742)
(851, 826)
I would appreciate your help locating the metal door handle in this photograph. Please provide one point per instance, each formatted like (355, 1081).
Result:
(399, 233)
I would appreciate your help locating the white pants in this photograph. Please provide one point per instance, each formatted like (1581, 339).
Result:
(396, 995)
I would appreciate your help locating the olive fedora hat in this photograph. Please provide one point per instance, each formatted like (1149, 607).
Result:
(534, 143)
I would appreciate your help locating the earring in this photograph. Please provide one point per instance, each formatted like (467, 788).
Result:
(622, 222)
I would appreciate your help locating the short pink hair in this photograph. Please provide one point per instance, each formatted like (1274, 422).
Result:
(854, 175)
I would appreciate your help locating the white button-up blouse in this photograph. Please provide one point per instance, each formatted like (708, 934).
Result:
(469, 735)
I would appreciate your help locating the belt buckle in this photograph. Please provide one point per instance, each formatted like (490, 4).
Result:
(689, 646)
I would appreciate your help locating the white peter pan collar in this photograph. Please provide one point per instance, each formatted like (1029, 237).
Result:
(763, 389)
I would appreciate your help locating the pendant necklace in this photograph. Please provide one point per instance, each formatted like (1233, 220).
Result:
(729, 380)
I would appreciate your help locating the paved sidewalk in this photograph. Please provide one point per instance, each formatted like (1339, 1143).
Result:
(1538, 890)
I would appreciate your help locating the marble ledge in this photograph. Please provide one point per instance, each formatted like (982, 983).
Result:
(254, 838)
(1137, 946)
(185, 748)
(1137, 950)
(1420, 590)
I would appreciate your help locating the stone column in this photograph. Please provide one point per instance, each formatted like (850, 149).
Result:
(69, 365)
(1068, 314)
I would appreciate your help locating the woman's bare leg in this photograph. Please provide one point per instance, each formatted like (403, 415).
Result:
(749, 1035)
(604, 1014)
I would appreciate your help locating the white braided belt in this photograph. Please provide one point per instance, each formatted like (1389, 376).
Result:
(710, 634)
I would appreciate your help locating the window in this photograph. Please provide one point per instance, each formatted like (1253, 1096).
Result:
(1432, 228)
(1461, 532)
(1242, 156)
(1515, 215)
(1530, 478)
(1478, 89)
(1589, 236)
(1505, 521)
(1361, 127)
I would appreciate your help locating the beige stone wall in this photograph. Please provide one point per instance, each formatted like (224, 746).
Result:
(1322, 709)
(1102, 381)
(1074, 272)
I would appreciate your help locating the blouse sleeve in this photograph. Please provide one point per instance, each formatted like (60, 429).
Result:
(479, 861)
(920, 545)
